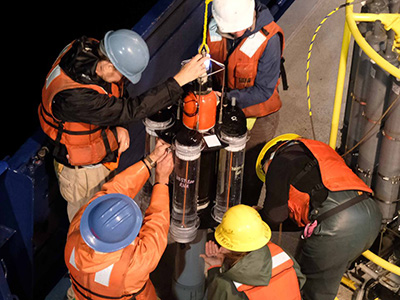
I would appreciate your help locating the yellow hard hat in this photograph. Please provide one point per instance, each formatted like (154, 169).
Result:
(271, 143)
(242, 229)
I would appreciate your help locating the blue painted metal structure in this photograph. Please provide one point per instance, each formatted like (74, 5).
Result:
(30, 204)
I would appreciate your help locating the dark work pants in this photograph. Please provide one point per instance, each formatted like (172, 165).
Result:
(263, 131)
(336, 242)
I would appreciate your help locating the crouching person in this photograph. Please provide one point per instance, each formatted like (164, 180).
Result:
(308, 183)
(111, 249)
(248, 265)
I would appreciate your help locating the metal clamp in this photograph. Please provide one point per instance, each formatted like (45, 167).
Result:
(393, 179)
(370, 120)
(365, 173)
(384, 133)
(358, 100)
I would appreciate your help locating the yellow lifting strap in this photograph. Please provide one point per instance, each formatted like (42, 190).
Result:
(204, 43)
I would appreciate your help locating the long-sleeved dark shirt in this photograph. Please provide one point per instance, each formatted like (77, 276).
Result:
(86, 105)
(284, 168)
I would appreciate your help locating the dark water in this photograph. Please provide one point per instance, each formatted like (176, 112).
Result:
(32, 39)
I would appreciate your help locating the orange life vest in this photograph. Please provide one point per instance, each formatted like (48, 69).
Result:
(283, 285)
(242, 63)
(335, 174)
(106, 283)
(121, 274)
(86, 143)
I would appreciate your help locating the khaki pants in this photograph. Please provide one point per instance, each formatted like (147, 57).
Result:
(70, 293)
(263, 131)
(78, 185)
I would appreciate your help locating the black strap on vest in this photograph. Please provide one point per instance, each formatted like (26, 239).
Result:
(105, 141)
(282, 67)
(60, 131)
(56, 124)
(309, 228)
(341, 207)
(283, 75)
(78, 287)
(307, 168)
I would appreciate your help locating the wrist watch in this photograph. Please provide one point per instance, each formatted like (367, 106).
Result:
(150, 161)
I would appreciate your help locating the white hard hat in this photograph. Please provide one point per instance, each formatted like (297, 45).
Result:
(233, 15)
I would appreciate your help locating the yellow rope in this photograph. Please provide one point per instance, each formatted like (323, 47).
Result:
(204, 43)
(308, 63)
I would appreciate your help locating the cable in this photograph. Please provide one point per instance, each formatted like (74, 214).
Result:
(308, 63)
(366, 135)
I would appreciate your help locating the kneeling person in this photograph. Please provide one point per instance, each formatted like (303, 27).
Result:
(248, 265)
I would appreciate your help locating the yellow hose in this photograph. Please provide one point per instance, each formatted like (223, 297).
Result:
(390, 21)
(381, 262)
(349, 283)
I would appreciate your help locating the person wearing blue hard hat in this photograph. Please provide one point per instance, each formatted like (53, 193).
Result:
(86, 107)
(111, 249)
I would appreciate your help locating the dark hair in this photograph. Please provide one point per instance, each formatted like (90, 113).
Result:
(271, 150)
(232, 258)
(102, 52)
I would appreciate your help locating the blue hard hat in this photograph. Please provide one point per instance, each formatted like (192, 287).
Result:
(111, 222)
(127, 51)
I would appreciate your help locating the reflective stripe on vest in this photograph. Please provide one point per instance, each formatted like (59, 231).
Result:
(242, 63)
(101, 277)
(252, 44)
(278, 261)
(107, 283)
(283, 287)
(72, 259)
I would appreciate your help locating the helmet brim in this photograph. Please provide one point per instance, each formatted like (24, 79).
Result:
(134, 79)
(258, 243)
(259, 167)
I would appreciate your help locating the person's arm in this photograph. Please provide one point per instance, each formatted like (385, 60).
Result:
(268, 72)
(277, 183)
(88, 106)
(153, 236)
(132, 179)
(128, 182)
(300, 276)
(219, 288)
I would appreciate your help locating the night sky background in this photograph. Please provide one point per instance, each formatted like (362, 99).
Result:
(33, 38)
